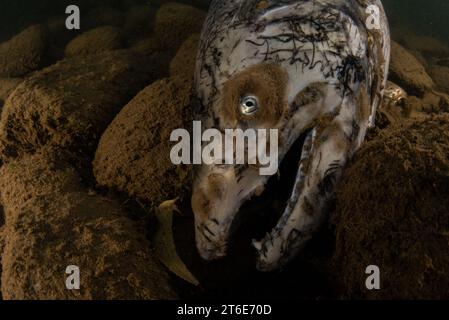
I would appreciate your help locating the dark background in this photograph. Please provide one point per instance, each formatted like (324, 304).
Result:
(429, 17)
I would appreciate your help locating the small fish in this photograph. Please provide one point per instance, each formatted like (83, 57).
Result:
(394, 95)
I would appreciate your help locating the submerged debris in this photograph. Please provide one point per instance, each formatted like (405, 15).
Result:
(165, 245)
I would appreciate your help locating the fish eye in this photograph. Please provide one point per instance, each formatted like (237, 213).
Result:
(249, 105)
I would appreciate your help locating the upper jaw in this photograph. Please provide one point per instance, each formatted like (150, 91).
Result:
(213, 225)
(212, 236)
(212, 243)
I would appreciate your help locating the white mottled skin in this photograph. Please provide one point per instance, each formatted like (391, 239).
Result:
(237, 33)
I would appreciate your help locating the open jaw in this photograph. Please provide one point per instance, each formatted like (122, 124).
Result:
(220, 193)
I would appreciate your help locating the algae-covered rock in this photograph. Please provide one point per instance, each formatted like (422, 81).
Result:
(71, 103)
(148, 46)
(97, 40)
(23, 53)
(133, 155)
(7, 86)
(440, 75)
(183, 64)
(52, 222)
(392, 212)
(408, 72)
(175, 22)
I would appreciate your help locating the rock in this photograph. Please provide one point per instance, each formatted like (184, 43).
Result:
(432, 102)
(407, 72)
(71, 103)
(391, 211)
(97, 40)
(7, 86)
(2, 246)
(440, 76)
(415, 104)
(52, 222)
(153, 47)
(428, 46)
(148, 46)
(133, 155)
(23, 53)
(175, 22)
(418, 55)
(183, 64)
(139, 20)
(102, 16)
(435, 102)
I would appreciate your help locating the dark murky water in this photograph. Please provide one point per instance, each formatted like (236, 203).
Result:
(423, 17)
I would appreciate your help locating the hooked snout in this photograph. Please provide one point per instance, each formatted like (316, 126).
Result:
(217, 196)
(212, 239)
(212, 217)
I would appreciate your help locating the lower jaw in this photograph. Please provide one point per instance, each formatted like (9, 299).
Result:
(260, 214)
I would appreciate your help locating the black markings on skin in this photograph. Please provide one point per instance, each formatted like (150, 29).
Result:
(206, 237)
(287, 249)
(201, 230)
(309, 48)
(293, 237)
(217, 57)
(354, 132)
(208, 230)
(350, 73)
(309, 95)
(304, 41)
(326, 185)
(239, 170)
(199, 109)
(289, 246)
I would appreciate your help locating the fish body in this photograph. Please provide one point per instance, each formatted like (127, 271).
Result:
(312, 67)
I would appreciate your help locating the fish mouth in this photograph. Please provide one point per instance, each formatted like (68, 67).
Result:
(220, 224)
(259, 215)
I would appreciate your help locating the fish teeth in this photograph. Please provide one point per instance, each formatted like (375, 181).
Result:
(257, 245)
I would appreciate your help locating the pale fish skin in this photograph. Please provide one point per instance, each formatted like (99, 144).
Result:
(328, 72)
